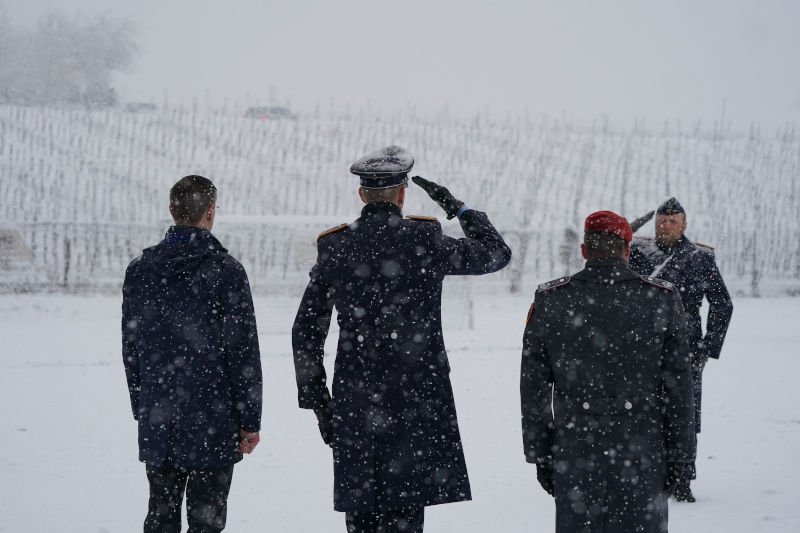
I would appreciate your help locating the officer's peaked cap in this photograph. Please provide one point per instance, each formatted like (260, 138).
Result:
(670, 207)
(387, 167)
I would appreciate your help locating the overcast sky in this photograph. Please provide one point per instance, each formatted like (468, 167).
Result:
(625, 59)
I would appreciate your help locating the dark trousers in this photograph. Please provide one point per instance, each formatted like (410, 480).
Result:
(697, 385)
(408, 520)
(206, 499)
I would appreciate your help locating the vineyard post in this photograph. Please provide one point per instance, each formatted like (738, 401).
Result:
(518, 266)
(67, 254)
(755, 279)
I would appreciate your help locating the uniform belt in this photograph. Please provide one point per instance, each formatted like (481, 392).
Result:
(605, 406)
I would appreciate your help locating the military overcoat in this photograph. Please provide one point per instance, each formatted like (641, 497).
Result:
(396, 441)
(606, 394)
(693, 270)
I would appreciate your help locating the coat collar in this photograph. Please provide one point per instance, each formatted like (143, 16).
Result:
(381, 209)
(683, 244)
(192, 236)
(606, 270)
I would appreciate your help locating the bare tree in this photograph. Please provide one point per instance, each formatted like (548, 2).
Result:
(64, 60)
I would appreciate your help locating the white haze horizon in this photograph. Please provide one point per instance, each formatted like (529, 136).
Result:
(726, 60)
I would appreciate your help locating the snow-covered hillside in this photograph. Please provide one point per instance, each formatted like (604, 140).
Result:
(87, 190)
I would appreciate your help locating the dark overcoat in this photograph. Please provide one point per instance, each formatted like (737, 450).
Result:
(396, 441)
(190, 348)
(693, 270)
(606, 393)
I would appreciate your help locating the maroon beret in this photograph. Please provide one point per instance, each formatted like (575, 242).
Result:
(608, 222)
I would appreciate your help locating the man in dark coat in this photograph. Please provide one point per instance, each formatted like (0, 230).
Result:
(691, 267)
(392, 420)
(606, 390)
(190, 348)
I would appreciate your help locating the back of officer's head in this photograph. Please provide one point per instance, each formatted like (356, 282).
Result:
(601, 245)
(394, 195)
(606, 235)
(191, 198)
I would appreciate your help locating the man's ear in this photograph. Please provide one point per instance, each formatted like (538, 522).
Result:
(401, 196)
(361, 194)
(627, 250)
(583, 251)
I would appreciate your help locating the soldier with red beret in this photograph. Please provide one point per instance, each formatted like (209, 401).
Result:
(606, 389)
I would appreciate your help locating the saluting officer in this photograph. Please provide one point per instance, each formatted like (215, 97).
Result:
(391, 421)
(607, 414)
(691, 267)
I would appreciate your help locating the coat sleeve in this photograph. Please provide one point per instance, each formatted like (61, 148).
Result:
(536, 390)
(720, 309)
(242, 355)
(679, 434)
(131, 319)
(638, 262)
(309, 331)
(482, 251)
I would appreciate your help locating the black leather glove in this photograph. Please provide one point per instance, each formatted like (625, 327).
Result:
(325, 423)
(440, 195)
(675, 473)
(699, 359)
(641, 221)
(545, 473)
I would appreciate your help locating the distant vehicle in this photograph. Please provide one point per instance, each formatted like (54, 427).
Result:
(270, 113)
(138, 107)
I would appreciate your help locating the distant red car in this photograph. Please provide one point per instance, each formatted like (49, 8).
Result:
(270, 113)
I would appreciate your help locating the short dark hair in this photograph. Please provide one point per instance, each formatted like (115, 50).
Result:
(602, 244)
(387, 194)
(190, 198)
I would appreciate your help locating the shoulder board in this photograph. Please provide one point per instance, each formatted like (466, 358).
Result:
(421, 217)
(658, 282)
(704, 247)
(332, 230)
(560, 282)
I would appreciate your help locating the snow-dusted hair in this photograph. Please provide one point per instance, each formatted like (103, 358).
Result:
(190, 198)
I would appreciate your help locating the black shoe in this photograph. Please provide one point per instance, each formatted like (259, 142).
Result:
(683, 492)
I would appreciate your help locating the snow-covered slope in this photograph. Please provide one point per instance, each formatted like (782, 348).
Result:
(68, 456)
(88, 190)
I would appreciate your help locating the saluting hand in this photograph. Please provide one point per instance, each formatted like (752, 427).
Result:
(440, 195)
(641, 221)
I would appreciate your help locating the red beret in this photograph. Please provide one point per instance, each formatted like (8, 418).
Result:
(608, 222)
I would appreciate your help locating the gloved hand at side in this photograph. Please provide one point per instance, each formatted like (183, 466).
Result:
(325, 423)
(545, 474)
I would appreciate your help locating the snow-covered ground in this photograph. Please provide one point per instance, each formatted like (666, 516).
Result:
(68, 458)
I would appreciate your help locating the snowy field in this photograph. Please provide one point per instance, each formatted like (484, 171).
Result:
(68, 457)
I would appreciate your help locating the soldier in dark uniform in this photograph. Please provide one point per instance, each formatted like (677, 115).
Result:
(391, 421)
(607, 413)
(691, 267)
